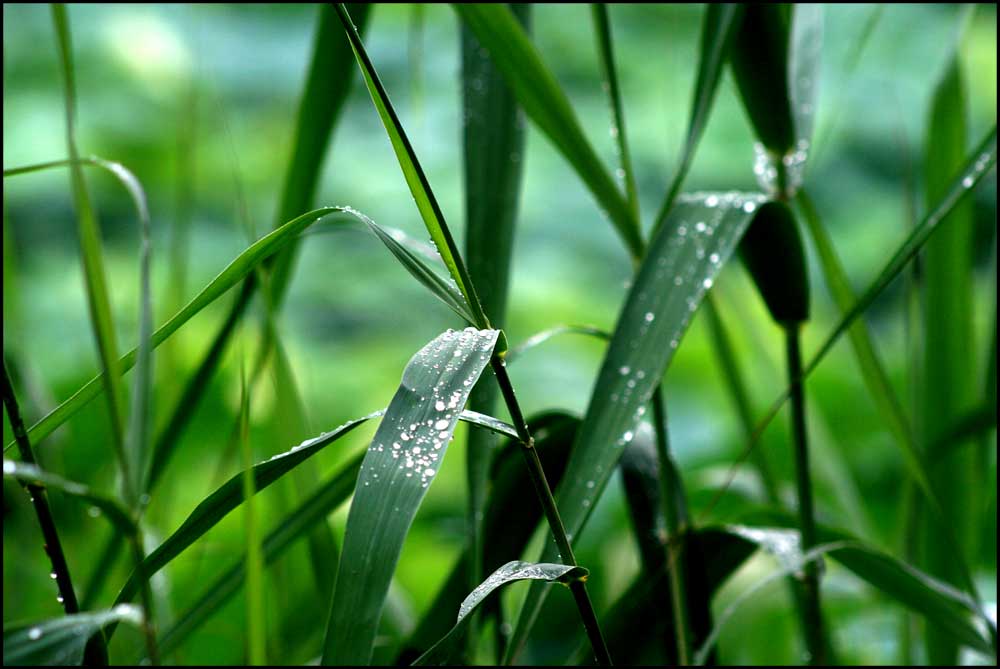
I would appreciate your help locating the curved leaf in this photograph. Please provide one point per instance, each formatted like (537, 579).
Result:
(443, 652)
(61, 641)
(401, 463)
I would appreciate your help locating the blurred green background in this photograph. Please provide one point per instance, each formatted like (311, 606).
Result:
(199, 102)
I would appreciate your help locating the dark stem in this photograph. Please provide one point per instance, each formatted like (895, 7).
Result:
(544, 492)
(676, 527)
(53, 547)
(812, 618)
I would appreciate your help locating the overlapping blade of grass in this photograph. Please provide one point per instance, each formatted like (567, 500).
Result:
(493, 143)
(605, 52)
(229, 496)
(546, 104)
(717, 30)
(679, 268)
(256, 652)
(92, 256)
(298, 522)
(61, 641)
(445, 650)
(948, 341)
(238, 269)
(328, 82)
(509, 520)
(426, 203)
(543, 336)
(950, 611)
(404, 457)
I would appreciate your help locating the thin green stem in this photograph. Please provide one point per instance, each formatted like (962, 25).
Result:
(544, 492)
(812, 618)
(145, 597)
(60, 570)
(676, 526)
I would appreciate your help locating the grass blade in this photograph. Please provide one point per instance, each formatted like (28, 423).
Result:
(543, 336)
(686, 255)
(545, 103)
(256, 638)
(493, 143)
(61, 641)
(427, 204)
(93, 264)
(948, 337)
(605, 51)
(445, 650)
(420, 421)
(717, 30)
(328, 82)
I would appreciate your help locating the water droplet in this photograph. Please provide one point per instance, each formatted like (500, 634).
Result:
(35, 633)
(439, 405)
(968, 181)
(624, 370)
(53, 575)
(650, 316)
(429, 472)
(711, 201)
(714, 258)
(749, 206)
(441, 425)
(707, 283)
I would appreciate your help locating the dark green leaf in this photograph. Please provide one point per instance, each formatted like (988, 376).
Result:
(61, 641)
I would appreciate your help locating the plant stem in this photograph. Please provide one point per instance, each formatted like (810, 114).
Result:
(676, 527)
(812, 618)
(145, 597)
(53, 547)
(544, 492)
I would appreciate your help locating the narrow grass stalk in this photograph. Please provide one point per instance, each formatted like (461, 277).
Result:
(544, 492)
(93, 261)
(145, 597)
(676, 529)
(812, 618)
(255, 600)
(602, 28)
(39, 500)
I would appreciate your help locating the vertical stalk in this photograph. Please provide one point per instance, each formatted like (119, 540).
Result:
(544, 492)
(812, 616)
(145, 596)
(676, 528)
(53, 547)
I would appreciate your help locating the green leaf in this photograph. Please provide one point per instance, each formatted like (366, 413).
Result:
(948, 610)
(772, 252)
(92, 257)
(328, 82)
(443, 652)
(683, 261)
(948, 342)
(546, 104)
(718, 26)
(420, 188)
(404, 457)
(543, 336)
(60, 641)
(229, 496)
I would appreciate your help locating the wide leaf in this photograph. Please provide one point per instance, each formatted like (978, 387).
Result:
(402, 461)
(60, 641)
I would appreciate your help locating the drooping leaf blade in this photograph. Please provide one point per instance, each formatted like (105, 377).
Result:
(416, 180)
(402, 461)
(238, 269)
(444, 651)
(679, 268)
(60, 641)
(548, 107)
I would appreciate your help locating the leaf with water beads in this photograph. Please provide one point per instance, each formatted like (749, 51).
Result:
(445, 650)
(60, 641)
(683, 261)
(401, 463)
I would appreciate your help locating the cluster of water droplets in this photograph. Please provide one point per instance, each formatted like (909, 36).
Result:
(512, 571)
(414, 449)
(978, 168)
